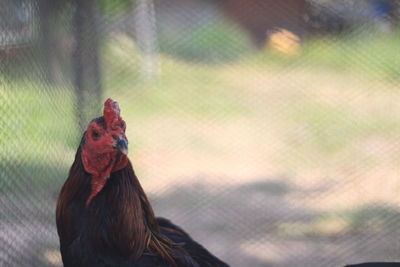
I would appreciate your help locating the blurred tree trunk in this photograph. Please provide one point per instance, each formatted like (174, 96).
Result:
(48, 44)
(86, 62)
(146, 38)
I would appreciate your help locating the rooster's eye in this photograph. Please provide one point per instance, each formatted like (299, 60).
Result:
(95, 134)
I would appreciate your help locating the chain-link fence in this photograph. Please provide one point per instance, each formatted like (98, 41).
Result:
(269, 130)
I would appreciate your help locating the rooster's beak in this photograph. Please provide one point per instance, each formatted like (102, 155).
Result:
(122, 145)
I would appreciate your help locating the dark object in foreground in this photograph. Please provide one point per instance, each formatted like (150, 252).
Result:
(376, 264)
(103, 215)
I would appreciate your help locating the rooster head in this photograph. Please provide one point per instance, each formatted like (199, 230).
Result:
(104, 146)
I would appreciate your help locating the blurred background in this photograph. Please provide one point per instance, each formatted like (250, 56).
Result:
(269, 130)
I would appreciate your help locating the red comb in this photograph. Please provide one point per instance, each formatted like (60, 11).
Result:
(111, 113)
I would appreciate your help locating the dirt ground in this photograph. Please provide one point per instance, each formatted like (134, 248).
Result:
(251, 213)
(235, 185)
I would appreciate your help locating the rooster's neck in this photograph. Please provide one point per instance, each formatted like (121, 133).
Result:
(119, 219)
(100, 166)
(96, 185)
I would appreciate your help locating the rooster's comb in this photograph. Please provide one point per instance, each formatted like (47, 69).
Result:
(111, 113)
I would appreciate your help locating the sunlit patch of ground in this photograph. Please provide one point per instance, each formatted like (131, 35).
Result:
(53, 257)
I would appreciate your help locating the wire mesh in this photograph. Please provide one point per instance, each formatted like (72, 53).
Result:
(268, 130)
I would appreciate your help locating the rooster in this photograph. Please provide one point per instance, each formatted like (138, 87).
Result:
(103, 215)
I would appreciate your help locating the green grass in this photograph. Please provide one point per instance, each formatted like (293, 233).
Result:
(37, 133)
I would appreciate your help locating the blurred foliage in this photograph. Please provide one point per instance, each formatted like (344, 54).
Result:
(114, 6)
(216, 41)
